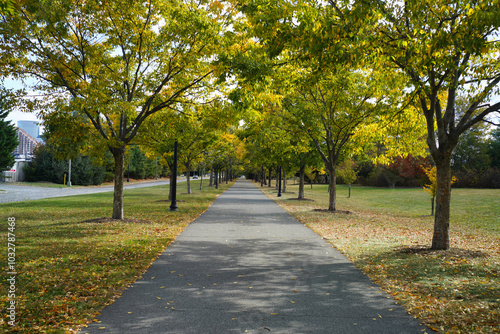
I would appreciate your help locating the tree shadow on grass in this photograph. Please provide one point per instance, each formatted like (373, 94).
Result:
(112, 220)
(333, 212)
(452, 252)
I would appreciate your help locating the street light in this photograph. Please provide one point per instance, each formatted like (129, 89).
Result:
(279, 182)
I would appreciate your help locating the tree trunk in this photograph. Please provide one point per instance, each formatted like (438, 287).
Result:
(202, 171)
(262, 176)
(119, 156)
(349, 191)
(441, 238)
(332, 190)
(301, 182)
(270, 172)
(211, 182)
(188, 176)
(284, 180)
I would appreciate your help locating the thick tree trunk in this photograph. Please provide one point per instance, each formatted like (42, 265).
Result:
(270, 172)
(119, 156)
(332, 190)
(301, 182)
(441, 238)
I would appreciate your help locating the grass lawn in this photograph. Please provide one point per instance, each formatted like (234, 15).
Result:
(388, 233)
(68, 268)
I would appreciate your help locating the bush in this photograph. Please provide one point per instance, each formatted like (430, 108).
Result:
(45, 167)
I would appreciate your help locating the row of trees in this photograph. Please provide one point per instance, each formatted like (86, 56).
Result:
(346, 73)
(311, 76)
(105, 68)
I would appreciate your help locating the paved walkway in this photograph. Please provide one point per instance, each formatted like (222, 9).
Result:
(19, 193)
(247, 266)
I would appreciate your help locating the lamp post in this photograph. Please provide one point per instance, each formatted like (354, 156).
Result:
(69, 174)
(173, 205)
(216, 176)
(279, 182)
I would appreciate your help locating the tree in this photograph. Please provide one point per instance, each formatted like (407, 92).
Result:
(471, 152)
(114, 63)
(494, 148)
(8, 133)
(348, 173)
(339, 110)
(445, 49)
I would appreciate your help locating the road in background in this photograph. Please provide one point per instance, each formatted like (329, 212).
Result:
(19, 193)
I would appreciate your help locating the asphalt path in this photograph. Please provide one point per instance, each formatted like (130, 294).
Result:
(19, 193)
(247, 266)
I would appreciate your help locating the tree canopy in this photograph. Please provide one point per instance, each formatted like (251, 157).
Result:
(111, 65)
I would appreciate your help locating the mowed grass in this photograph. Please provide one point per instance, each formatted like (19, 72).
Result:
(69, 269)
(388, 233)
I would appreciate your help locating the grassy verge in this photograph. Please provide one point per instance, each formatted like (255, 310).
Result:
(68, 268)
(388, 235)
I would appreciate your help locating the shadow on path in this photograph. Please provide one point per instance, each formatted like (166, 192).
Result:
(247, 266)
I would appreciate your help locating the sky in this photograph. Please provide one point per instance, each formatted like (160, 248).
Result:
(17, 115)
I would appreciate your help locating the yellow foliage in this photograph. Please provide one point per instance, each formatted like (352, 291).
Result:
(432, 175)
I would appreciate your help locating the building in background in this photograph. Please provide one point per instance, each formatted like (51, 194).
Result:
(28, 134)
(31, 127)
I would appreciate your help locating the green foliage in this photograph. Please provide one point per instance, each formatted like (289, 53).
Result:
(7, 7)
(106, 67)
(494, 148)
(471, 152)
(47, 167)
(347, 171)
(8, 134)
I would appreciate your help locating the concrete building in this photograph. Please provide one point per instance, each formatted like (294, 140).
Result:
(28, 134)
(27, 143)
(31, 127)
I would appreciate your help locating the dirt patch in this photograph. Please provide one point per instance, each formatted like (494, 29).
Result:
(333, 212)
(301, 199)
(452, 252)
(111, 220)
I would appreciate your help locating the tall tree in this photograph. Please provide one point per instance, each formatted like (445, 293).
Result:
(8, 134)
(446, 49)
(339, 110)
(115, 62)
